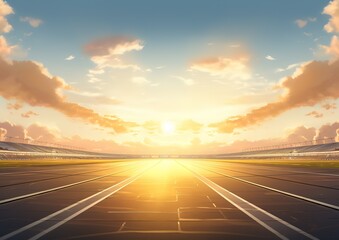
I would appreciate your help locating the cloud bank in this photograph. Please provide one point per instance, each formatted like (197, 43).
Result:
(311, 84)
(29, 82)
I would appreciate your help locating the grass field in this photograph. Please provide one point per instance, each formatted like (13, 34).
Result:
(52, 162)
(69, 161)
(316, 163)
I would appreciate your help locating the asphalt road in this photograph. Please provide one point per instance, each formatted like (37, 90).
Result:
(169, 199)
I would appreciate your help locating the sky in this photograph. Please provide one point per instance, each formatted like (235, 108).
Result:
(199, 77)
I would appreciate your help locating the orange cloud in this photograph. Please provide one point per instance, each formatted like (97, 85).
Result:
(93, 98)
(14, 106)
(29, 114)
(114, 45)
(233, 68)
(329, 106)
(13, 130)
(333, 49)
(332, 9)
(328, 131)
(42, 133)
(301, 134)
(5, 10)
(106, 52)
(5, 49)
(30, 82)
(152, 126)
(189, 125)
(315, 114)
(3, 133)
(311, 84)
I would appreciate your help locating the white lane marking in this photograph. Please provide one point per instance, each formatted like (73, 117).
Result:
(122, 226)
(56, 188)
(277, 226)
(72, 211)
(280, 191)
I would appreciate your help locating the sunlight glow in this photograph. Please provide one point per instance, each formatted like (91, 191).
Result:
(168, 127)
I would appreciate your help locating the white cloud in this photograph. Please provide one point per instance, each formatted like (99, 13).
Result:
(289, 67)
(269, 57)
(186, 81)
(34, 22)
(234, 46)
(140, 80)
(110, 61)
(69, 58)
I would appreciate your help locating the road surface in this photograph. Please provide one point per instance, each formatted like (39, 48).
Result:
(169, 199)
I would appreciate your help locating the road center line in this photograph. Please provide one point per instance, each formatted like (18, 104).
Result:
(277, 226)
(55, 220)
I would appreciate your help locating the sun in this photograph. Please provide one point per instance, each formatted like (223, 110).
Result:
(167, 127)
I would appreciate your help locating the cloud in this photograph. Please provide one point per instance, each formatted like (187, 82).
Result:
(315, 114)
(29, 82)
(224, 67)
(186, 81)
(94, 98)
(309, 85)
(113, 45)
(189, 125)
(13, 130)
(103, 146)
(110, 61)
(329, 106)
(70, 58)
(269, 57)
(140, 81)
(301, 23)
(235, 46)
(107, 52)
(301, 134)
(328, 131)
(34, 22)
(3, 133)
(5, 49)
(5, 10)
(29, 114)
(42, 133)
(332, 9)
(250, 98)
(152, 126)
(333, 49)
(14, 106)
(289, 67)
